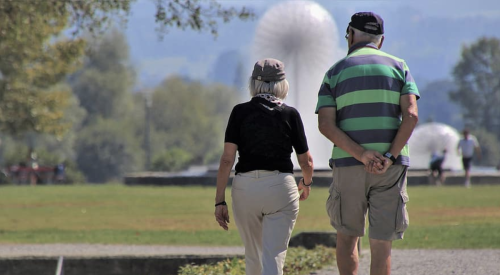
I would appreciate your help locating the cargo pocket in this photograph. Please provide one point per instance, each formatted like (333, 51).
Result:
(402, 219)
(333, 208)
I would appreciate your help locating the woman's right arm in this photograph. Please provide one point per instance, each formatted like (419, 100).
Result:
(307, 167)
(225, 166)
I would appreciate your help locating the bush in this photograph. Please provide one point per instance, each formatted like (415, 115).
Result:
(107, 150)
(490, 150)
(233, 266)
(299, 261)
(175, 159)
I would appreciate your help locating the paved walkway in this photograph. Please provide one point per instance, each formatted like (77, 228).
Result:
(404, 262)
(433, 262)
(99, 250)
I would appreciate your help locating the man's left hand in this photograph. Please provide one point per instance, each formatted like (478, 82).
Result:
(377, 168)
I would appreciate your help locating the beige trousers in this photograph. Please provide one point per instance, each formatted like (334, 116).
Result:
(265, 207)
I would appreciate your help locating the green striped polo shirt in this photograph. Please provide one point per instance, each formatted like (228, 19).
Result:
(365, 88)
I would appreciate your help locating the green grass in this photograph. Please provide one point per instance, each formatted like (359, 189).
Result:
(440, 217)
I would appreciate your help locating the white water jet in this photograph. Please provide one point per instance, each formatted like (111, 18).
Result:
(304, 36)
(434, 137)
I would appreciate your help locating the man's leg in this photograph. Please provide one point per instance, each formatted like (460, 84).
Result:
(442, 177)
(466, 163)
(388, 217)
(381, 257)
(467, 178)
(347, 254)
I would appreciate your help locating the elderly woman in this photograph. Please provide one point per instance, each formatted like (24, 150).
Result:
(264, 192)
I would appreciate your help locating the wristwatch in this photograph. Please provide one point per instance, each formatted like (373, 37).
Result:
(390, 156)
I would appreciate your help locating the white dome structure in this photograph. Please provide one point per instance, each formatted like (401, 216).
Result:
(434, 137)
(304, 36)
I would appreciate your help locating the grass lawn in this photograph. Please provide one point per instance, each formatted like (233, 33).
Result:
(440, 217)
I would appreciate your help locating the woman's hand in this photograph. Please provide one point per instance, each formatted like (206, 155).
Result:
(222, 216)
(305, 190)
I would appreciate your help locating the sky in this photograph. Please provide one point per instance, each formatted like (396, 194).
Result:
(193, 54)
(428, 34)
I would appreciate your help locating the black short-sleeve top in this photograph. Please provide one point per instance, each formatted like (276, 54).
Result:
(265, 134)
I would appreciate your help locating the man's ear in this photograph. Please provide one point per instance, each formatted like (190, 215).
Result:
(381, 42)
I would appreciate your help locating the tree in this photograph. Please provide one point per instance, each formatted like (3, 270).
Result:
(192, 117)
(435, 104)
(192, 14)
(104, 89)
(106, 150)
(104, 85)
(36, 55)
(477, 76)
(490, 150)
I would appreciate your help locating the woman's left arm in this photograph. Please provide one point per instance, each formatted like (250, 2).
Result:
(225, 166)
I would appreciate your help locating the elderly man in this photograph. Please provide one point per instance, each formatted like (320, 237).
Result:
(367, 108)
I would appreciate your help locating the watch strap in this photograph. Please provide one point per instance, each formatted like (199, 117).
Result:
(390, 156)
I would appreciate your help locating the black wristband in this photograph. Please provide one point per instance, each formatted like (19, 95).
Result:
(304, 183)
(221, 203)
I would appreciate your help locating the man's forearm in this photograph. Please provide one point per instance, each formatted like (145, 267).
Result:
(403, 135)
(341, 140)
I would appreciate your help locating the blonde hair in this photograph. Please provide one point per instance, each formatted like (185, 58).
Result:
(277, 88)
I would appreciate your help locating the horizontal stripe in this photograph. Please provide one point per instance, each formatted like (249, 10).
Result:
(379, 147)
(368, 96)
(401, 160)
(325, 89)
(372, 136)
(369, 57)
(371, 82)
(369, 70)
(410, 88)
(378, 109)
(338, 153)
(369, 123)
(325, 101)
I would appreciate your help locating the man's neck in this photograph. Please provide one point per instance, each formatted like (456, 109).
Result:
(362, 44)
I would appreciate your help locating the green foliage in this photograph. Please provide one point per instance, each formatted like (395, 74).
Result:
(435, 104)
(175, 159)
(108, 145)
(195, 14)
(107, 150)
(233, 266)
(490, 149)
(302, 261)
(104, 85)
(73, 175)
(477, 76)
(298, 261)
(192, 117)
(35, 57)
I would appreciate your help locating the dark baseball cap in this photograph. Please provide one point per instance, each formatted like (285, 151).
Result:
(269, 69)
(368, 22)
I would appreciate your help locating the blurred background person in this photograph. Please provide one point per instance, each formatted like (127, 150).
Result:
(436, 176)
(468, 146)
